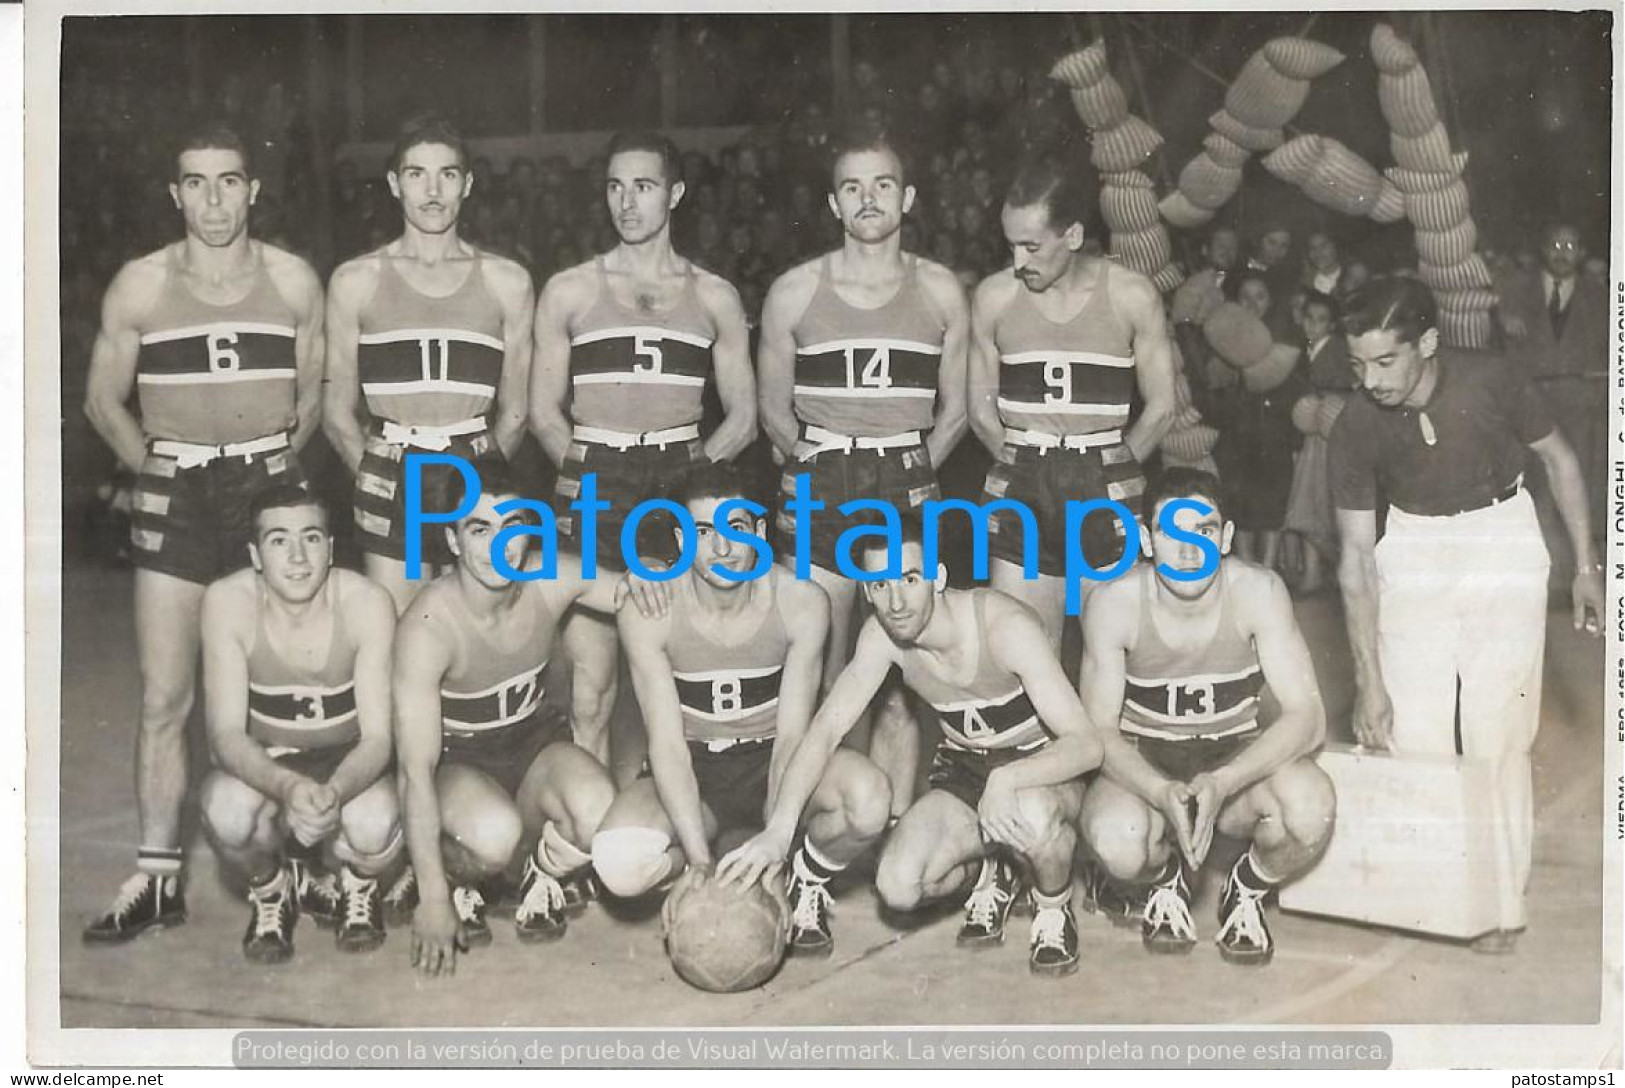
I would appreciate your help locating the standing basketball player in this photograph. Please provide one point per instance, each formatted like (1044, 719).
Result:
(1180, 663)
(432, 334)
(296, 659)
(862, 362)
(625, 344)
(1060, 342)
(1005, 778)
(484, 766)
(727, 680)
(220, 337)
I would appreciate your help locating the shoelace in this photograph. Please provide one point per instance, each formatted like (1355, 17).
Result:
(403, 888)
(320, 886)
(468, 903)
(1167, 908)
(1246, 921)
(129, 893)
(1049, 928)
(358, 902)
(544, 897)
(268, 910)
(811, 903)
(983, 905)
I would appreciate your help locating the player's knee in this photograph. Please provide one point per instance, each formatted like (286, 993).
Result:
(488, 838)
(1307, 803)
(630, 861)
(585, 804)
(1121, 839)
(370, 857)
(898, 885)
(165, 706)
(866, 802)
(371, 821)
(1041, 811)
(230, 812)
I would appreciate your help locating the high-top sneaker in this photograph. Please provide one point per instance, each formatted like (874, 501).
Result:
(144, 902)
(361, 929)
(318, 893)
(989, 904)
(1244, 936)
(402, 898)
(269, 937)
(469, 902)
(540, 914)
(1053, 947)
(1165, 925)
(810, 903)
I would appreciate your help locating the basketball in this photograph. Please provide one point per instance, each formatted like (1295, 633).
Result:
(725, 940)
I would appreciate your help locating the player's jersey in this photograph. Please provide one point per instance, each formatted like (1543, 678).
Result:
(727, 690)
(490, 686)
(638, 372)
(868, 373)
(988, 712)
(293, 708)
(1210, 692)
(1064, 378)
(212, 374)
(426, 361)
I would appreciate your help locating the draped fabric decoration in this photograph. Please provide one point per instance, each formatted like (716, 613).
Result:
(1267, 93)
(1332, 175)
(1188, 441)
(1121, 143)
(1428, 177)
(1243, 341)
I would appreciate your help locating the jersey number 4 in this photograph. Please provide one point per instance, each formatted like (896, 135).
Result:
(876, 373)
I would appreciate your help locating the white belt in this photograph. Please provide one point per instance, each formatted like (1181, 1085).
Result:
(723, 744)
(823, 441)
(1043, 441)
(426, 437)
(625, 440)
(193, 454)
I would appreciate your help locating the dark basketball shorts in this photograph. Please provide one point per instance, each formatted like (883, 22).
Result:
(317, 764)
(902, 477)
(380, 494)
(193, 523)
(1044, 480)
(964, 773)
(1183, 760)
(506, 753)
(732, 782)
(625, 478)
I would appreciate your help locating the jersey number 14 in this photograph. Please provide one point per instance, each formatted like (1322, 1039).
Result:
(876, 373)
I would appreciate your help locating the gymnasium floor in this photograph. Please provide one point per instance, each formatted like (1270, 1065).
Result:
(611, 970)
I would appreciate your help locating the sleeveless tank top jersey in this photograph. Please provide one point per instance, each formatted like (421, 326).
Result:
(1179, 695)
(989, 712)
(868, 373)
(216, 374)
(728, 691)
(639, 372)
(1064, 378)
(426, 361)
(494, 687)
(296, 709)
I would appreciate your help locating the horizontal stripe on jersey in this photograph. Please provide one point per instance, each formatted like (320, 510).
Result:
(1005, 721)
(868, 387)
(429, 376)
(1195, 702)
(728, 695)
(512, 700)
(1076, 392)
(296, 716)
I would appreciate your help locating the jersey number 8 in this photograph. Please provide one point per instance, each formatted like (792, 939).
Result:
(727, 695)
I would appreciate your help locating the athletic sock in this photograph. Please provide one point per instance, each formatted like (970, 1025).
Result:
(1169, 870)
(1250, 875)
(557, 856)
(1052, 900)
(159, 860)
(812, 867)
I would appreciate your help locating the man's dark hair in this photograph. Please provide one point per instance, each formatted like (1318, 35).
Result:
(445, 489)
(1067, 190)
(211, 136)
(717, 480)
(671, 160)
(1313, 297)
(1186, 483)
(283, 497)
(911, 530)
(1396, 303)
(860, 135)
(427, 128)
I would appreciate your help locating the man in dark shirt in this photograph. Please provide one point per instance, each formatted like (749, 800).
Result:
(1457, 590)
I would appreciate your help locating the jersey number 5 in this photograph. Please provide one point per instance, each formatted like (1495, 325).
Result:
(649, 355)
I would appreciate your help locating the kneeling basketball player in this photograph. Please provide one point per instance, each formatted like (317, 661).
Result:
(296, 660)
(1180, 663)
(1004, 781)
(727, 680)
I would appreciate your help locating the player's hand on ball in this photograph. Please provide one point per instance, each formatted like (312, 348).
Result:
(999, 813)
(1589, 595)
(1374, 718)
(754, 860)
(437, 937)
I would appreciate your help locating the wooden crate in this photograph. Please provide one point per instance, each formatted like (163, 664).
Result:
(1413, 847)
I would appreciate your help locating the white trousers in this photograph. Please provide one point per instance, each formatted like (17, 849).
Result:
(1463, 598)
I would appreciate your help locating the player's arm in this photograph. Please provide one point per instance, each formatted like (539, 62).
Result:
(1357, 577)
(847, 699)
(550, 368)
(1289, 670)
(225, 697)
(512, 286)
(787, 300)
(1020, 645)
(1109, 626)
(730, 357)
(303, 290)
(1153, 365)
(803, 666)
(605, 592)
(644, 640)
(1568, 492)
(948, 426)
(421, 661)
(982, 368)
(113, 362)
(371, 615)
(341, 385)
